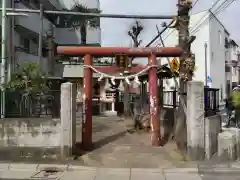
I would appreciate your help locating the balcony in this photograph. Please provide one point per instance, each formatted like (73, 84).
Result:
(32, 22)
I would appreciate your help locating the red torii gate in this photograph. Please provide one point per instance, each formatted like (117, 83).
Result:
(90, 52)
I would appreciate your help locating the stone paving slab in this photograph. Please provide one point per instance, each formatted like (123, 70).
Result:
(185, 176)
(26, 171)
(138, 175)
(20, 174)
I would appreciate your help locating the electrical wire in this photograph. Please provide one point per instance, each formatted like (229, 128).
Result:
(220, 9)
(194, 4)
(206, 14)
(215, 3)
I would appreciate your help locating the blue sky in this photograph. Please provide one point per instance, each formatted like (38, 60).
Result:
(114, 31)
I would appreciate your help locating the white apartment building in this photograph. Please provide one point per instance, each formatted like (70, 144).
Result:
(232, 65)
(210, 31)
(23, 31)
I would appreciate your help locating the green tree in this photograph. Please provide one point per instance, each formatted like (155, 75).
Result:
(28, 79)
(82, 22)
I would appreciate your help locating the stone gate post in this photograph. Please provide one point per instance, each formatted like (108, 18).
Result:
(195, 120)
(68, 118)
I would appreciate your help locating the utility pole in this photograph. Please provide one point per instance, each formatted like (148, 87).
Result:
(185, 70)
(206, 66)
(3, 57)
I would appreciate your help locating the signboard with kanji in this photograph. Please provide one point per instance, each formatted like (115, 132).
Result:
(174, 65)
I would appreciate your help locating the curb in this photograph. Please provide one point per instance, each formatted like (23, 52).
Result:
(233, 168)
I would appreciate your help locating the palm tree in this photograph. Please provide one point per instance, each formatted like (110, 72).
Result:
(82, 22)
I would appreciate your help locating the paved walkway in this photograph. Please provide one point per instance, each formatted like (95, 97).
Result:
(71, 172)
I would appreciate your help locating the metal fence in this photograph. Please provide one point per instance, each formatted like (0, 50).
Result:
(211, 100)
(19, 105)
(170, 99)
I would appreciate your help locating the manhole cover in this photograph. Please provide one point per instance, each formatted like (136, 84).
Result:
(48, 174)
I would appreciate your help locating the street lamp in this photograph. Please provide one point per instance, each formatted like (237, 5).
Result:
(3, 52)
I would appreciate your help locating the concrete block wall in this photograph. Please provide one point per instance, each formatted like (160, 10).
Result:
(41, 138)
(212, 129)
(34, 138)
(229, 144)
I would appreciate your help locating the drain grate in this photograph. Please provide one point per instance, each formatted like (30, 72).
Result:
(48, 174)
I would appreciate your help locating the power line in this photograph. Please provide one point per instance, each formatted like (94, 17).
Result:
(222, 7)
(206, 14)
(194, 4)
(217, 10)
(216, 2)
(206, 17)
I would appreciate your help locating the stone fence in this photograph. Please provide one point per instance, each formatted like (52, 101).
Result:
(36, 138)
(212, 127)
(41, 138)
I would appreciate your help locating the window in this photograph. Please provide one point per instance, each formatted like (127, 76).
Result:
(221, 92)
(25, 43)
(220, 37)
(226, 43)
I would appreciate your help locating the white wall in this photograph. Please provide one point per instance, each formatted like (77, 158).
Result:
(206, 33)
(197, 48)
(73, 36)
(217, 60)
(200, 29)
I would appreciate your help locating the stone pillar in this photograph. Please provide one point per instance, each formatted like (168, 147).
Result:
(226, 146)
(212, 129)
(236, 133)
(68, 118)
(195, 120)
(238, 143)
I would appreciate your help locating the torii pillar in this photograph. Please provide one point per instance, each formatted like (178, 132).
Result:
(90, 52)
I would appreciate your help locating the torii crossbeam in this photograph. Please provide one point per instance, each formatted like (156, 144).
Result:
(90, 52)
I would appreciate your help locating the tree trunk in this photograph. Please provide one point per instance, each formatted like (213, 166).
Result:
(83, 31)
(127, 111)
(180, 126)
(126, 101)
